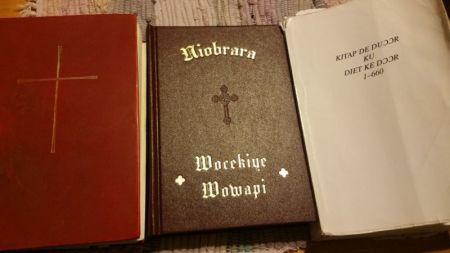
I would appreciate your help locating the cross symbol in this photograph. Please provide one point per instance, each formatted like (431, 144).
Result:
(224, 98)
(180, 180)
(283, 172)
(56, 79)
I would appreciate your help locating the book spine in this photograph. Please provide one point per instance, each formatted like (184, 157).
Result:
(155, 188)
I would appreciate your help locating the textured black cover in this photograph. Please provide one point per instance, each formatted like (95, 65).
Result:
(231, 107)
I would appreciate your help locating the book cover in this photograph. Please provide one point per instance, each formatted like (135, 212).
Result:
(226, 146)
(70, 169)
(374, 103)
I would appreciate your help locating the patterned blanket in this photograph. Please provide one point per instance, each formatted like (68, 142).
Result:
(182, 12)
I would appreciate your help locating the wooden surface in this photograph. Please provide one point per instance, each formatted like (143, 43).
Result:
(10, 8)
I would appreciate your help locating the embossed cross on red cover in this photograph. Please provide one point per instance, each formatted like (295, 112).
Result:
(224, 98)
(57, 80)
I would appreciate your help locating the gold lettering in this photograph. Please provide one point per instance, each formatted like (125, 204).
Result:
(251, 54)
(217, 50)
(189, 53)
(208, 51)
(210, 190)
(225, 49)
(196, 51)
(200, 52)
(242, 51)
(235, 51)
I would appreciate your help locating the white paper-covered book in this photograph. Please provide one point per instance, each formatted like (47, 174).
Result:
(372, 79)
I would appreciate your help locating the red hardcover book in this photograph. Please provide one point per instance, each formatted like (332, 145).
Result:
(70, 163)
